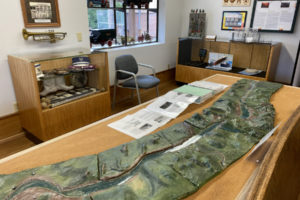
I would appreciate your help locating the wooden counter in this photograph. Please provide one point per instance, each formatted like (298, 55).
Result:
(99, 137)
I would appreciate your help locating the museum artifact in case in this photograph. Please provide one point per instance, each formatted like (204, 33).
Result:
(57, 93)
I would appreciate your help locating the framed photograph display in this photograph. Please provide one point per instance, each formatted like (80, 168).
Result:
(274, 15)
(236, 3)
(233, 20)
(40, 13)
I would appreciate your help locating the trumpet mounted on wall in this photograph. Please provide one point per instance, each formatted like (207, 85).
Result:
(50, 36)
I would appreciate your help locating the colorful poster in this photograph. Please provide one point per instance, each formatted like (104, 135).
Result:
(233, 20)
(236, 2)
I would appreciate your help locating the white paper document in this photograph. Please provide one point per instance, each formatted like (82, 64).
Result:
(165, 108)
(140, 123)
(133, 127)
(168, 107)
(179, 96)
(216, 87)
(152, 117)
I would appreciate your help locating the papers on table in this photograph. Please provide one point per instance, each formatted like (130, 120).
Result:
(168, 107)
(181, 97)
(165, 108)
(140, 123)
(216, 87)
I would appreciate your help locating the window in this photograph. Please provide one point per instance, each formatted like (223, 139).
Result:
(112, 23)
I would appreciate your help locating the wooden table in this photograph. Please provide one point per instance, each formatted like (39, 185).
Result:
(98, 137)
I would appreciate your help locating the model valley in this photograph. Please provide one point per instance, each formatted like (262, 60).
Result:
(170, 164)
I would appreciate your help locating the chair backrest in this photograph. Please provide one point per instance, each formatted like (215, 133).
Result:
(127, 63)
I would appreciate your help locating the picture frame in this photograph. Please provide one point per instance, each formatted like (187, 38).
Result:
(40, 13)
(233, 20)
(265, 10)
(236, 3)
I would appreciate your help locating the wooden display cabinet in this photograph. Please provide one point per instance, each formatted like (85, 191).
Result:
(48, 123)
(260, 56)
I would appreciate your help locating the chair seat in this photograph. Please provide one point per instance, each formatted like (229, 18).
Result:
(144, 81)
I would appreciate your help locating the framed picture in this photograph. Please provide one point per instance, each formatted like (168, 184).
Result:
(40, 13)
(233, 20)
(235, 3)
(275, 15)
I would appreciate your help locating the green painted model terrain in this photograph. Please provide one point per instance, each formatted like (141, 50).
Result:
(170, 164)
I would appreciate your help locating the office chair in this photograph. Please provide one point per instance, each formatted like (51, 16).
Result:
(126, 69)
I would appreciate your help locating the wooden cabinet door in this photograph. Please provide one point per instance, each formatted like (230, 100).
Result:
(260, 56)
(219, 47)
(241, 54)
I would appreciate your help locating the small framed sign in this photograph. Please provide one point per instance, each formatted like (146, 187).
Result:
(233, 20)
(40, 13)
(235, 3)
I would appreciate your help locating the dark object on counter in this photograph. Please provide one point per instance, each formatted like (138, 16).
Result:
(103, 36)
(202, 55)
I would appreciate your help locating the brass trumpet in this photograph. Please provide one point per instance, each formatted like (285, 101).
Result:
(50, 36)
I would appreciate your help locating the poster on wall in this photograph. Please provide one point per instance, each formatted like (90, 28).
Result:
(241, 3)
(234, 20)
(275, 15)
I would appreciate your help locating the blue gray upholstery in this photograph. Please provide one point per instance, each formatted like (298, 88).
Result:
(144, 81)
(126, 63)
(126, 69)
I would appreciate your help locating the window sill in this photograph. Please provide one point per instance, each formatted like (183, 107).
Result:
(126, 47)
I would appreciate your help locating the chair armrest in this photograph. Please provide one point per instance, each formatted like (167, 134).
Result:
(148, 66)
(130, 73)
(126, 72)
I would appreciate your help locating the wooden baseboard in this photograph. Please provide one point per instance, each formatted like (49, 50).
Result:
(123, 93)
(13, 137)
(10, 126)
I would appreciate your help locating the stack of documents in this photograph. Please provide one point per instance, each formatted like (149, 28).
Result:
(165, 108)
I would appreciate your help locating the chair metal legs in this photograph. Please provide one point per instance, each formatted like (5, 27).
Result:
(138, 92)
(115, 91)
(157, 92)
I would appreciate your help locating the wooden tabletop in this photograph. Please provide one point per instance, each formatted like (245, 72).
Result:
(98, 137)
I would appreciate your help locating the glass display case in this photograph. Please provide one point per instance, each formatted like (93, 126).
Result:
(57, 93)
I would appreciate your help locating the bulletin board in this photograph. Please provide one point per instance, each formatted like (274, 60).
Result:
(274, 15)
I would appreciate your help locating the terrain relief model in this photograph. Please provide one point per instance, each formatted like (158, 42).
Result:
(170, 164)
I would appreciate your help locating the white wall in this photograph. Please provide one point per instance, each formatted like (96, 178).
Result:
(74, 19)
(214, 10)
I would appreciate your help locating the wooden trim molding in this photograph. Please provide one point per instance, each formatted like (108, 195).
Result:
(10, 125)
